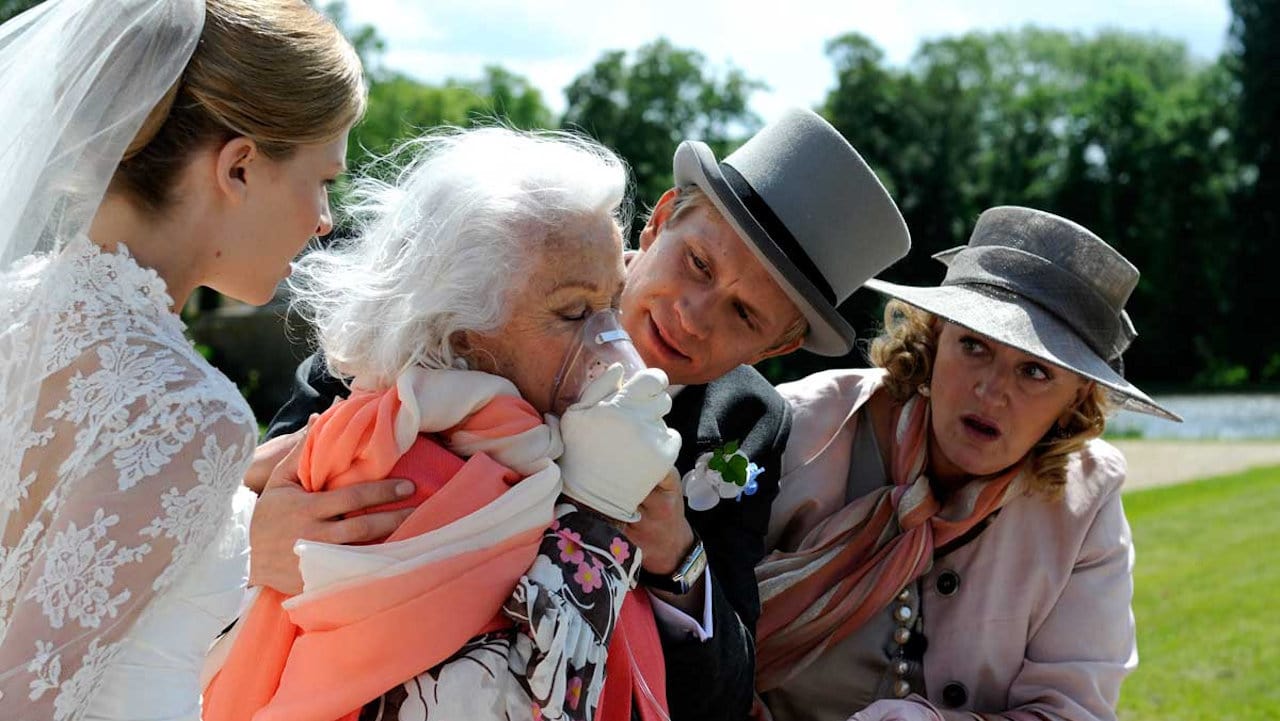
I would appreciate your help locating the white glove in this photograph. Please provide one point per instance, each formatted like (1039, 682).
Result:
(616, 446)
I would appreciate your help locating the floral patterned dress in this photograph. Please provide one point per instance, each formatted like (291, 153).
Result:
(124, 547)
(551, 663)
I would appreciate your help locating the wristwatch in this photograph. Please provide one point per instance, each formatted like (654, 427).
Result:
(686, 574)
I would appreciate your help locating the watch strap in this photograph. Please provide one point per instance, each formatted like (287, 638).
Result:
(686, 574)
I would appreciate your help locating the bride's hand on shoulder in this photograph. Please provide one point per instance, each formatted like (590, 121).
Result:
(285, 514)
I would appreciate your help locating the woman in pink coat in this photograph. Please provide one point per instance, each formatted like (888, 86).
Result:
(949, 542)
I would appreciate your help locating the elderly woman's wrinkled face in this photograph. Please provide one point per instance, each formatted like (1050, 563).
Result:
(992, 403)
(578, 271)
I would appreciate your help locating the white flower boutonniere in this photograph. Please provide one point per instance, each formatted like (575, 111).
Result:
(723, 473)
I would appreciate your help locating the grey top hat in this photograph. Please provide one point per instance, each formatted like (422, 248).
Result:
(810, 209)
(1046, 286)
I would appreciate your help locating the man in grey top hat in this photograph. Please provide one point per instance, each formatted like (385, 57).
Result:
(745, 259)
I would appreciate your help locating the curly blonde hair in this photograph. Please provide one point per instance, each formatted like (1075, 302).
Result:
(906, 349)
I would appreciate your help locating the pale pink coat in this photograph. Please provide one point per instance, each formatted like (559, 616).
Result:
(1041, 625)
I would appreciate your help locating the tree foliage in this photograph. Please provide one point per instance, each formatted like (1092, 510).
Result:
(10, 8)
(401, 107)
(1124, 133)
(645, 105)
(1254, 58)
(1172, 160)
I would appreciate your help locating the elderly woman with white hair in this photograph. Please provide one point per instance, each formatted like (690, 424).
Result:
(452, 312)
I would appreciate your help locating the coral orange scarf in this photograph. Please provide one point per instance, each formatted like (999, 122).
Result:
(371, 617)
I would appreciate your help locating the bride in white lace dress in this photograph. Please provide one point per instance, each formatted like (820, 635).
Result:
(147, 147)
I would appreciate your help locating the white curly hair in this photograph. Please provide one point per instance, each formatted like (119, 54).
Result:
(440, 250)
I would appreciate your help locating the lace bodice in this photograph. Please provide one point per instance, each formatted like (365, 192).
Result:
(120, 450)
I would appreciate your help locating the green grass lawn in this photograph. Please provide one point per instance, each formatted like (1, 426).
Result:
(1207, 600)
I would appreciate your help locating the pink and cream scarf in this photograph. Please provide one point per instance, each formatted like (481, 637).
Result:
(370, 617)
(852, 565)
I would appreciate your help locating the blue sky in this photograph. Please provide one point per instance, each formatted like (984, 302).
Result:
(551, 41)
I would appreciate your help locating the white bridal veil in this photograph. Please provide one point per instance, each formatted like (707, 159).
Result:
(77, 80)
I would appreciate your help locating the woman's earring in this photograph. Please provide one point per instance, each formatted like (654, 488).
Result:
(923, 389)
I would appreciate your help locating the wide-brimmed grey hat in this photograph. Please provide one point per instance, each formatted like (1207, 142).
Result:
(810, 209)
(1046, 286)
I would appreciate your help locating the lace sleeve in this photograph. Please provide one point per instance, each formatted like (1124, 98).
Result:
(136, 456)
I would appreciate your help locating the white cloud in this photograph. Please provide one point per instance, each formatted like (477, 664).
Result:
(551, 41)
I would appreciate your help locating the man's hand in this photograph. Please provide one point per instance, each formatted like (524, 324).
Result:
(286, 513)
(662, 533)
(665, 538)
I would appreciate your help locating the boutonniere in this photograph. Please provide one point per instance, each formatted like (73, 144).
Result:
(725, 472)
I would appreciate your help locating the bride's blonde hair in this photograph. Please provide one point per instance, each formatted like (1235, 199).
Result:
(274, 71)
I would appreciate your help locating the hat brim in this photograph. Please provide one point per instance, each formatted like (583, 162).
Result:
(829, 333)
(1029, 328)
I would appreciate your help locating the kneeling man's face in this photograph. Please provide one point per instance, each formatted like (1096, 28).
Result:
(698, 303)
(577, 272)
